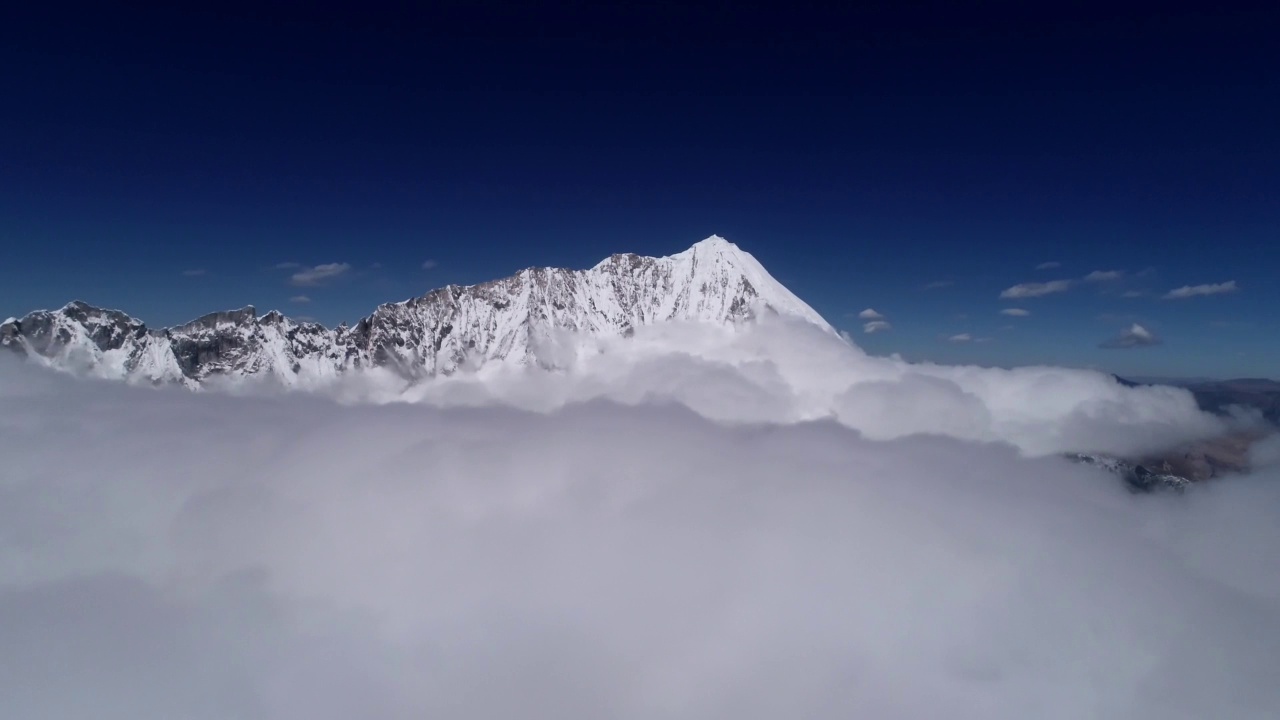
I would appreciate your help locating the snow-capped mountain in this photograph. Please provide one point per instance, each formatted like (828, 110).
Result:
(522, 319)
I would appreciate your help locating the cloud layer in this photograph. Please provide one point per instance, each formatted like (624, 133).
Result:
(1030, 290)
(319, 274)
(875, 326)
(209, 556)
(1190, 291)
(1134, 336)
(1104, 275)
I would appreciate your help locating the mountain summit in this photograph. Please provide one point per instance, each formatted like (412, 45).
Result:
(514, 320)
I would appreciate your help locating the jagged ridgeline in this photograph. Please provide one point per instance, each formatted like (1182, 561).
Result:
(504, 321)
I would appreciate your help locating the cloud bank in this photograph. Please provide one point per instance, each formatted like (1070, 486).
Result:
(207, 556)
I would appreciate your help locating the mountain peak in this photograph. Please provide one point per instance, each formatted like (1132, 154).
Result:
(713, 241)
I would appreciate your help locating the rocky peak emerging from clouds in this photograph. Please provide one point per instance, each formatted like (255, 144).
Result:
(528, 318)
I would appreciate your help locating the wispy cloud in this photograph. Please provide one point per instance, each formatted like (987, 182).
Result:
(319, 274)
(1015, 312)
(1049, 265)
(876, 326)
(961, 338)
(299, 299)
(870, 314)
(429, 264)
(1188, 291)
(1029, 290)
(938, 285)
(193, 273)
(1135, 336)
(1104, 275)
(1133, 293)
(288, 265)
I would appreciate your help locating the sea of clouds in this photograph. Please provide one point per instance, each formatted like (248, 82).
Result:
(768, 523)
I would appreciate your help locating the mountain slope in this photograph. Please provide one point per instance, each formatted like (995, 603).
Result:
(522, 319)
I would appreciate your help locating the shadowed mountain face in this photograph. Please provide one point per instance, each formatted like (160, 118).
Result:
(514, 320)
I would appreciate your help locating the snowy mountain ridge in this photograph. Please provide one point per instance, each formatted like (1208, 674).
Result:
(515, 320)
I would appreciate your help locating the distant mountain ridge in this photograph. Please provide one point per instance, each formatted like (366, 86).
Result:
(514, 320)
(1218, 396)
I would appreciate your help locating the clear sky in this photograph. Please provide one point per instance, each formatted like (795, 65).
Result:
(917, 160)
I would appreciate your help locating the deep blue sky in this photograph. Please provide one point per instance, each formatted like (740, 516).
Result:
(860, 154)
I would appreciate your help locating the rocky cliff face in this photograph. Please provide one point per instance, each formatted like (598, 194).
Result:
(516, 320)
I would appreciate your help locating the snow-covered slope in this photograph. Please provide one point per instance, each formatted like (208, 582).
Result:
(531, 317)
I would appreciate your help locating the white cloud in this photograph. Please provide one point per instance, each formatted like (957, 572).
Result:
(1052, 264)
(1187, 291)
(429, 264)
(1135, 336)
(299, 299)
(316, 560)
(961, 338)
(876, 326)
(1015, 312)
(1030, 290)
(319, 274)
(1104, 275)
(193, 273)
(870, 314)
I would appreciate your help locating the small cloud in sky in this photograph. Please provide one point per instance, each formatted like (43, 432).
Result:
(1188, 291)
(1029, 290)
(375, 266)
(288, 265)
(319, 274)
(876, 326)
(1015, 312)
(960, 338)
(429, 264)
(299, 299)
(1104, 275)
(1049, 265)
(870, 314)
(1135, 336)
(1133, 293)
(938, 285)
(193, 273)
